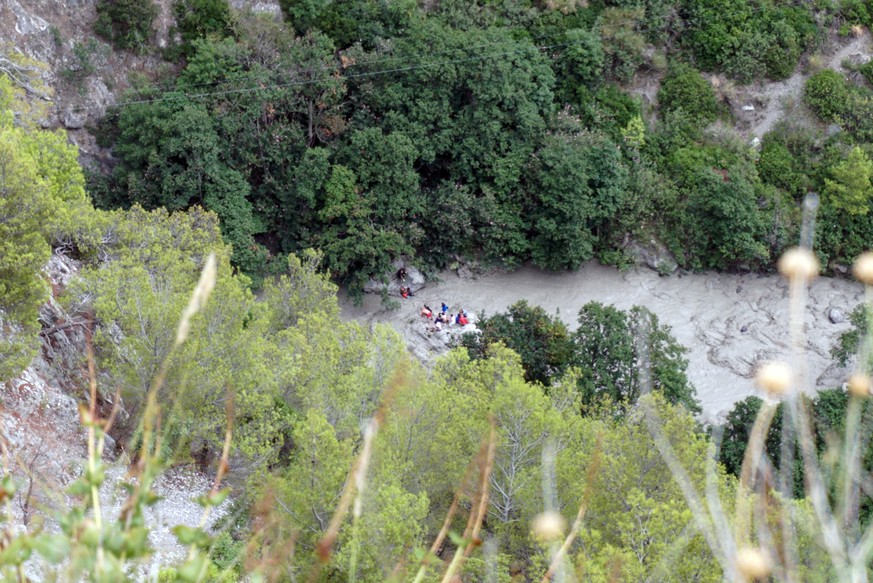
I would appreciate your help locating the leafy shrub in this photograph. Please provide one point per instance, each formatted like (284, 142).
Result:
(542, 341)
(778, 166)
(609, 350)
(854, 12)
(866, 71)
(841, 236)
(197, 19)
(685, 88)
(302, 14)
(826, 95)
(717, 219)
(749, 61)
(83, 64)
(783, 52)
(623, 43)
(575, 185)
(849, 342)
(579, 63)
(747, 40)
(848, 188)
(835, 100)
(346, 23)
(673, 131)
(607, 109)
(737, 429)
(127, 24)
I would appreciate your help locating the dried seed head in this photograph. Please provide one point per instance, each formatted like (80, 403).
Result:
(774, 377)
(798, 262)
(859, 385)
(85, 417)
(752, 563)
(863, 267)
(548, 526)
(198, 298)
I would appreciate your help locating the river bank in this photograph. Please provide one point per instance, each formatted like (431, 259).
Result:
(729, 322)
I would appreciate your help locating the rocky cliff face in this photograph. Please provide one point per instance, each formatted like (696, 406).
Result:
(44, 444)
(39, 421)
(85, 73)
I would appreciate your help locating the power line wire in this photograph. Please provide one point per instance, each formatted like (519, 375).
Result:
(685, 24)
(301, 82)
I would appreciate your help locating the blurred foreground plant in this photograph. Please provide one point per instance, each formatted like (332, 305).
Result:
(763, 536)
(92, 546)
(343, 505)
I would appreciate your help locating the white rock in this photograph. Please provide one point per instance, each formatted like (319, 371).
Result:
(26, 23)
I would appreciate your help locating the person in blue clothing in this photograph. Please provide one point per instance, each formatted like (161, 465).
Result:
(444, 307)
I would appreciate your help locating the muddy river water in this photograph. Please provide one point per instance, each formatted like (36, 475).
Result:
(729, 322)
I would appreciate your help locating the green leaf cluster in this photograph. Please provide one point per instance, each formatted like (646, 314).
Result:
(613, 357)
(127, 24)
(747, 40)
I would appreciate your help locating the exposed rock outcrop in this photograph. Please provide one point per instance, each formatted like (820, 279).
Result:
(412, 278)
(652, 253)
(47, 443)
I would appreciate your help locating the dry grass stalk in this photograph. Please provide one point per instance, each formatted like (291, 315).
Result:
(590, 480)
(269, 548)
(358, 470)
(474, 520)
(483, 489)
(750, 469)
(447, 522)
(95, 450)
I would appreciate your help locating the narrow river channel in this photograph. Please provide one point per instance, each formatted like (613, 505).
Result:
(729, 322)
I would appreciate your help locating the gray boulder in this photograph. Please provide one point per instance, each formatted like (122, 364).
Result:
(74, 117)
(110, 447)
(836, 316)
(652, 253)
(414, 280)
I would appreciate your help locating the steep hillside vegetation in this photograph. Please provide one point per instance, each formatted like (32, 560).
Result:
(260, 158)
(494, 133)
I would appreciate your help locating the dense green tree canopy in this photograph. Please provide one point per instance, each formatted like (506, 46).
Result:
(623, 355)
(492, 132)
(542, 341)
(613, 357)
